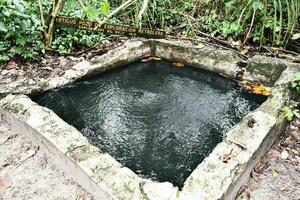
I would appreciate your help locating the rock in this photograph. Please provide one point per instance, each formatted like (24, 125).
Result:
(284, 155)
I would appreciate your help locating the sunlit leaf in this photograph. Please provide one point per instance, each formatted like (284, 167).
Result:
(70, 5)
(296, 36)
(92, 13)
(178, 65)
(257, 5)
(105, 8)
(297, 75)
(261, 90)
(3, 27)
(296, 113)
(288, 113)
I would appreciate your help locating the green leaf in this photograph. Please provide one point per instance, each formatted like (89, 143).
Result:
(91, 13)
(296, 36)
(21, 41)
(275, 174)
(19, 5)
(4, 58)
(297, 75)
(3, 27)
(70, 5)
(296, 113)
(257, 5)
(25, 24)
(105, 8)
(288, 113)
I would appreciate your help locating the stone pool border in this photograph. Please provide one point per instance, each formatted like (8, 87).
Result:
(219, 176)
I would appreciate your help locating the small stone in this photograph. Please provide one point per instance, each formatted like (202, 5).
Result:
(200, 46)
(284, 155)
(31, 82)
(21, 73)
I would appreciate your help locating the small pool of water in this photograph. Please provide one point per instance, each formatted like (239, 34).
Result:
(158, 120)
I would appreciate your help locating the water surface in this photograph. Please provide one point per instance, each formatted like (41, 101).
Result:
(158, 120)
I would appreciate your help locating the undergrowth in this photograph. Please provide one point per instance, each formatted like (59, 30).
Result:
(258, 22)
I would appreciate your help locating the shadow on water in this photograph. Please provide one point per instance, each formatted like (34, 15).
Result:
(158, 120)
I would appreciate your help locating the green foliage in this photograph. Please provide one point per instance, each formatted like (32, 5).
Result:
(289, 113)
(258, 21)
(266, 21)
(295, 84)
(20, 31)
(68, 40)
(159, 14)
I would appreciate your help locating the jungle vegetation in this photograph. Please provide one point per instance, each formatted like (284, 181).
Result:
(27, 30)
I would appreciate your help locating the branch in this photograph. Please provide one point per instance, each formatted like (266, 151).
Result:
(122, 6)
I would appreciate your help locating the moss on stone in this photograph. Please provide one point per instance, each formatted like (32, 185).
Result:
(270, 70)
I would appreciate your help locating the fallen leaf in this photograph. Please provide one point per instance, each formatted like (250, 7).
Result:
(11, 65)
(255, 88)
(266, 93)
(151, 58)
(155, 58)
(288, 141)
(260, 167)
(179, 65)
(274, 153)
(226, 157)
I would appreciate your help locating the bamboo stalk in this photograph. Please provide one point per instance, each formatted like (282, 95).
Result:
(42, 17)
(56, 9)
(142, 11)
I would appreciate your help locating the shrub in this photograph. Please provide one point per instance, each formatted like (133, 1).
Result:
(20, 31)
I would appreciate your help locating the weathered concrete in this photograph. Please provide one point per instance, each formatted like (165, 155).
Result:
(129, 52)
(209, 58)
(97, 172)
(219, 176)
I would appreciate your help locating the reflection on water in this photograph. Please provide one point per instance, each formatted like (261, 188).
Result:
(157, 120)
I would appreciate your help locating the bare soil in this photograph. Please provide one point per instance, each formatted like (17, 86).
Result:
(52, 65)
(27, 173)
(277, 175)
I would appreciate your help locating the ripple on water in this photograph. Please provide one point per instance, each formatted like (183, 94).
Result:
(158, 120)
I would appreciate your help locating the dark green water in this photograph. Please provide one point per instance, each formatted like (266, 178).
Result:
(158, 120)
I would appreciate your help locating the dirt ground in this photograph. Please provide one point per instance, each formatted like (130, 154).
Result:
(26, 173)
(277, 175)
(52, 65)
